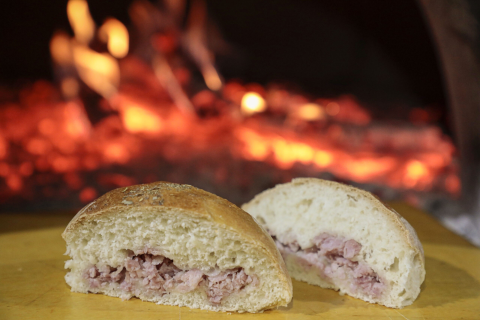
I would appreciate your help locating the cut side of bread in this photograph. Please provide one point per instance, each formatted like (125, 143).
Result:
(175, 245)
(340, 237)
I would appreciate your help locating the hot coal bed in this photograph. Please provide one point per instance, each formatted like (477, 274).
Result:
(191, 93)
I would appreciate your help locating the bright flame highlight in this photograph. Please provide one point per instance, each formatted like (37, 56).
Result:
(138, 119)
(311, 112)
(81, 21)
(252, 103)
(323, 158)
(415, 172)
(364, 169)
(116, 35)
(99, 71)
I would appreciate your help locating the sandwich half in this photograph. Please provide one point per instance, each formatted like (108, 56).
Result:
(175, 245)
(339, 237)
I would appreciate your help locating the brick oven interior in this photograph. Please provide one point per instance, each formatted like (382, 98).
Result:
(359, 92)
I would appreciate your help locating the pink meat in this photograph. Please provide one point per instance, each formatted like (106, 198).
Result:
(332, 257)
(189, 280)
(351, 249)
(228, 282)
(156, 273)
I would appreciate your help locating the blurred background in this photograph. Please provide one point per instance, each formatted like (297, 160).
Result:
(235, 97)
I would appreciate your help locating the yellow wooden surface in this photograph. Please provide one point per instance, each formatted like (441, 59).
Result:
(32, 284)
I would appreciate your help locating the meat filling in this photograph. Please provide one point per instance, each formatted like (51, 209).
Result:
(156, 273)
(334, 259)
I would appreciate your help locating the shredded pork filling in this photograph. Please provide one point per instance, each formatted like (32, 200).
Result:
(156, 273)
(335, 260)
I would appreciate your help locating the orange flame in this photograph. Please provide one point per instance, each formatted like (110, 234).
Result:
(415, 172)
(60, 49)
(138, 119)
(116, 152)
(81, 21)
(323, 158)
(284, 151)
(257, 148)
(99, 71)
(364, 169)
(116, 35)
(287, 152)
(252, 103)
(311, 112)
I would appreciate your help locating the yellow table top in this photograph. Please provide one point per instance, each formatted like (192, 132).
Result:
(33, 287)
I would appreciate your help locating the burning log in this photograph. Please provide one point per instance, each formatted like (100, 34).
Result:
(248, 136)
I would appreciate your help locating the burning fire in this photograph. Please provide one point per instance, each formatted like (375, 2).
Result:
(311, 112)
(116, 35)
(152, 110)
(138, 119)
(252, 103)
(81, 20)
(99, 71)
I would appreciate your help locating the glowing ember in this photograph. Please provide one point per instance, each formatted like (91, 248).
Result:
(3, 147)
(415, 173)
(88, 194)
(252, 103)
(311, 112)
(77, 124)
(364, 170)
(137, 119)
(333, 108)
(323, 159)
(156, 122)
(116, 153)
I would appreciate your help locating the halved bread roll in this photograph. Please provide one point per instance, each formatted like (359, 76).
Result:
(336, 236)
(175, 245)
